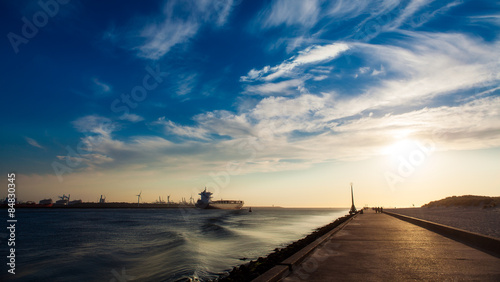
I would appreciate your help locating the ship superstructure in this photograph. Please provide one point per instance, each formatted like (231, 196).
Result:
(205, 202)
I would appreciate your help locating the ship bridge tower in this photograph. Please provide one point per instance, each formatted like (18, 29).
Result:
(205, 196)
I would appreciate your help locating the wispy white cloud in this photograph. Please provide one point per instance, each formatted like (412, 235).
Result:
(156, 35)
(369, 70)
(310, 19)
(93, 149)
(421, 19)
(390, 15)
(95, 124)
(343, 9)
(33, 142)
(272, 133)
(189, 132)
(472, 125)
(320, 77)
(96, 89)
(302, 128)
(160, 38)
(428, 65)
(311, 55)
(379, 71)
(186, 84)
(315, 54)
(322, 70)
(101, 86)
(410, 74)
(87, 161)
(376, 17)
(225, 123)
(290, 12)
(286, 87)
(131, 117)
(363, 70)
(490, 19)
(409, 11)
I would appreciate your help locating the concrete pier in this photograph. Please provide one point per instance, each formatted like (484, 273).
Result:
(379, 247)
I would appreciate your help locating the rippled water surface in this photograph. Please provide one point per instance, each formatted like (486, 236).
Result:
(151, 244)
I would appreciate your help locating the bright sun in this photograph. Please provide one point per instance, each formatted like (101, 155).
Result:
(401, 148)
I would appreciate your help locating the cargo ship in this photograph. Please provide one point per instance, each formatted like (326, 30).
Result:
(205, 202)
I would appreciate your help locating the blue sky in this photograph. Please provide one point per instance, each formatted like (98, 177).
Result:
(242, 96)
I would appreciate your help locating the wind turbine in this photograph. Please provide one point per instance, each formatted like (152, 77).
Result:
(139, 198)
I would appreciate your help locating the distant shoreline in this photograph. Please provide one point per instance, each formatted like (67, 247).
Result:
(144, 206)
(105, 206)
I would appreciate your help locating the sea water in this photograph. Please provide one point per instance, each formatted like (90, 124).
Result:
(150, 244)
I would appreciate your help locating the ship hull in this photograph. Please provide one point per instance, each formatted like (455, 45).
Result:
(220, 205)
(225, 206)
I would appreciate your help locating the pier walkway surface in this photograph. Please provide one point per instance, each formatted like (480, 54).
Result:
(379, 247)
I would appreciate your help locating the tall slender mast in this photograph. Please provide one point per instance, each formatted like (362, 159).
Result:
(353, 208)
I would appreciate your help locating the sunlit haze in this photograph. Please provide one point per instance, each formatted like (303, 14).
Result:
(280, 102)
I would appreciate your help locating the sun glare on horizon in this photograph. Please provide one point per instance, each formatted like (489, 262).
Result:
(400, 147)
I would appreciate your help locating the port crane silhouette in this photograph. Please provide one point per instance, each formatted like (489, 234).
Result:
(160, 200)
(64, 197)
